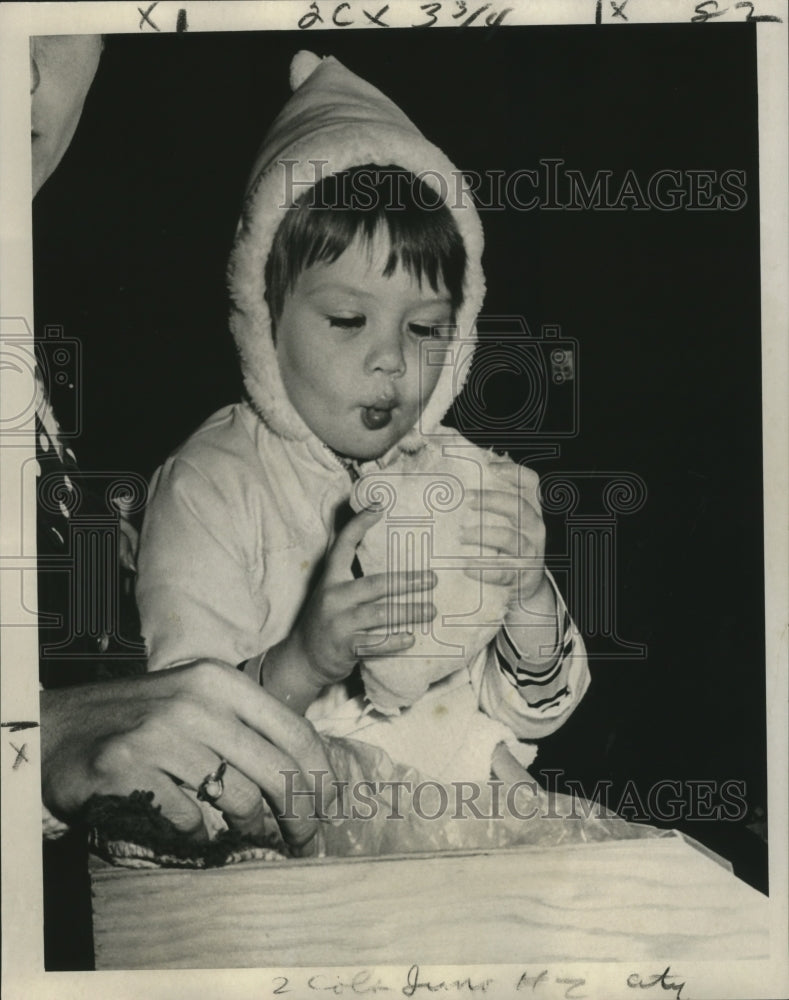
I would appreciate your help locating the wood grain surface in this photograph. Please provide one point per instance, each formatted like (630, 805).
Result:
(615, 901)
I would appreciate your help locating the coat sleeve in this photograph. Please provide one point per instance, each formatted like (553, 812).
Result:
(196, 590)
(532, 703)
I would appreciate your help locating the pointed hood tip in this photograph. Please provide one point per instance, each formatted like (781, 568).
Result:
(302, 66)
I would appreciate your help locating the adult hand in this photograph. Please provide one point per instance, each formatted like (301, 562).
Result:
(153, 731)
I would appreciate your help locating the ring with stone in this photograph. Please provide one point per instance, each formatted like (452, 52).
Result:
(212, 785)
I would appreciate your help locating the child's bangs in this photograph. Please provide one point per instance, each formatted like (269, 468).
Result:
(366, 203)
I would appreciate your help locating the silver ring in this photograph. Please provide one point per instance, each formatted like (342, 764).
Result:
(212, 786)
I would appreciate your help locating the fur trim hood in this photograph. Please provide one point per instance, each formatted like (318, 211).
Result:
(333, 121)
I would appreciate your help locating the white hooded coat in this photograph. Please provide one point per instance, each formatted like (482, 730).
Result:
(242, 513)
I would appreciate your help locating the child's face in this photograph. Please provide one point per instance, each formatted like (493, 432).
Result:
(348, 345)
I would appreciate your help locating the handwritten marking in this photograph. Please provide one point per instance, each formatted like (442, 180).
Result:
(666, 980)
(619, 10)
(575, 984)
(704, 15)
(472, 17)
(467, 985)
(20, 755)
(344, 14)
(181, 23)
(313, 14)
(15, 727)
(431, 9)
(377, 19)
(756, 17)
(360, 984)
(145, 18)
(533, 981)
(336, 18)
(708, 9)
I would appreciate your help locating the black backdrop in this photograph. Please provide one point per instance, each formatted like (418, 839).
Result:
(132, 233)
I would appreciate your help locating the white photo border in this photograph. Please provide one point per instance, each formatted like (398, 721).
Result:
(23, 974)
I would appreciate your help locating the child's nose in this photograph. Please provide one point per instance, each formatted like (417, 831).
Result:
(386, 352)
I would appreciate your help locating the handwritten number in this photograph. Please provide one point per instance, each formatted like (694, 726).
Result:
(493, 20)
(307, 20)
(575, 984)
(704, 15)
(756, 17)
(281, 988)
(431, 9)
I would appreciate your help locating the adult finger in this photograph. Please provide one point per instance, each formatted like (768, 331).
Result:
(116, 771)
(240, 799)
(267, 742)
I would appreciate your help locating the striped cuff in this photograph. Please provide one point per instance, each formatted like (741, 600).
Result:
(545, 685)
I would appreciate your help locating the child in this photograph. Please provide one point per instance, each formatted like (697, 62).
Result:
(243, 558)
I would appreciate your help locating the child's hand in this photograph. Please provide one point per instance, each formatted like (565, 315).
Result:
(335, 626)
(511, 528)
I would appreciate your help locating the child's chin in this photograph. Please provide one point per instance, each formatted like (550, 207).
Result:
(367, 454)
(366, 451)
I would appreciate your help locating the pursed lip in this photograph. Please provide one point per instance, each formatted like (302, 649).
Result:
(383, 401)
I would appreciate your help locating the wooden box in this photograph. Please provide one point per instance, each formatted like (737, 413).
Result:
(611, 901)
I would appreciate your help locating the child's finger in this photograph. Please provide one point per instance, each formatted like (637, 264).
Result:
(502, 541)
(509, 505)
(367, 645)
(501, 577)
(344, 549)
(391, 615)
(378, 585)
(525, 480)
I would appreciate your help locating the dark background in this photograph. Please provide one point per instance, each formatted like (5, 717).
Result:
(132, 233)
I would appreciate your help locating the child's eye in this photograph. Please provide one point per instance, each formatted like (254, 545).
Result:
(427, 329)
(346, 322)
